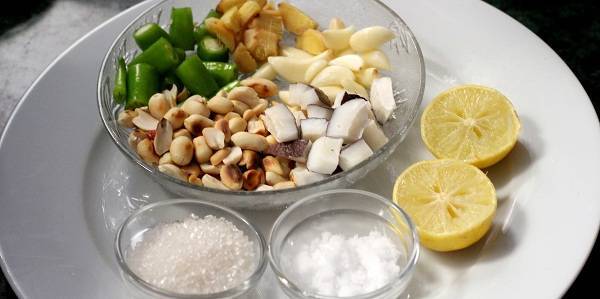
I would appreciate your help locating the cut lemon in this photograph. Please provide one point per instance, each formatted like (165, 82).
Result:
(475, 124)
(451, 202)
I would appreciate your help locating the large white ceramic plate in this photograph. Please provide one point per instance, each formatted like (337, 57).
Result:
(64, 187)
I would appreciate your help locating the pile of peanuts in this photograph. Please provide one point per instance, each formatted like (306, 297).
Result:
(218, 143)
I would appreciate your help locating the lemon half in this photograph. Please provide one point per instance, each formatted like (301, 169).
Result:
(451, 202)
(472, 123)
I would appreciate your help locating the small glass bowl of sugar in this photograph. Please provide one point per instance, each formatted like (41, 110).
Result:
(343, 244)
(190, 249)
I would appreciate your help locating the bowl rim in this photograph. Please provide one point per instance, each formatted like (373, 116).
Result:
(242, 287)
(406, 270)
(394, 140)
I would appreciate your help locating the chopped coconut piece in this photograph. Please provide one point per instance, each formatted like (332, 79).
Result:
(349, 120)
(382, 98)
(313, 128)
(300, 175)
(354, 153)
(296, 93)
(281, 123)
(316, 111)
(299, 116)
(374, 136)
(324, 155)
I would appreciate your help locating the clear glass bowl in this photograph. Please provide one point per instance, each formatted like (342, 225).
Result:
(171, 211)
(408, 77)
(344, 212)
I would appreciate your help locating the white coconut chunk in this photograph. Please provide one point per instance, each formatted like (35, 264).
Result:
(354, 153)
(299, 116)
(374, 136)
(300, 175)
(280, 122)
(297, 93)
(349, 120)
(382, 98)
(313, 128)
(316, 111)
(324, 155)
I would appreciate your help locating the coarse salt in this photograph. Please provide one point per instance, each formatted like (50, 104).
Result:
(194, 256)
(334, 265)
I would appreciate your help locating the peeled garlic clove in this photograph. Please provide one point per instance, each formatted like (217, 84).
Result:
(281, 123)
(354, 153)
(353, 62)
(338, 39)
(331, 92)
(352, 87)
(349, 120)
(164, 136)
(316, 111)
(366, 76)
(313, 128)
(295, 53)
(174, 171)
(302, 176)
(374, 136)
(266, 71)
(314, 69)
(144, 121)
(291, 69)
(332, 75)
(336, 23)
(376, 59)
(370, 38)
(324, 155)
(284, 96)
(382, 98)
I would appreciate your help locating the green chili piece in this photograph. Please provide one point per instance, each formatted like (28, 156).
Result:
(160, 55)
(196, 77)
(148, 35)
(120, 90)
(212, 49)
(171, 79)
(142, 83)
(180, 55)
(222, 72)
(182, 28)
(201, 31)
(213, 14)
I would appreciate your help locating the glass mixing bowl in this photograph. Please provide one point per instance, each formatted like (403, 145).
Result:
(408, 75)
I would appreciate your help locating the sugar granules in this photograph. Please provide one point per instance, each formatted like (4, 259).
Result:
(194, 256)
(334, 265)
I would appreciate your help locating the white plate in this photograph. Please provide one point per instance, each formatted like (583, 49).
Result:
(64, 186)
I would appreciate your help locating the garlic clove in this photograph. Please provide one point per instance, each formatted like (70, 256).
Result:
(332, 75)
(352, 61)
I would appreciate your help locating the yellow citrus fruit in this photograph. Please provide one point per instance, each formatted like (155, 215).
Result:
(451, 202)
(472, 123)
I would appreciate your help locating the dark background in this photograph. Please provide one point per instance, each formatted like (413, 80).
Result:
(571, 28)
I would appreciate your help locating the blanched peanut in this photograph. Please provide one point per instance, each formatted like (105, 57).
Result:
(260, 107)
(264, 188)
(173, 171)
(231, 115)
(237, 124)
(219, 104)
(192, 169)
(165, 159)
(211, 169)
(195, 180)
(231, 176)
(196, 123)
(286, 165)
(211, 182)
(234, 157)
(256, 126)
(145, 149)
(249, 114)
(252, 179)
(263, 87)
(240, 107)
(202, 151)
(218, 117)
(135, 137)
(249, 159)
(158, 105)
(182, 150)
(273, 178)
(245, 95)
(196, 105)
(218, 157)
(271, 164)
(271, 139)
(125, 118)
(223, 126)
(284, 185)
(250, 141)
(214, 138)
(182, 132)
(176, 116)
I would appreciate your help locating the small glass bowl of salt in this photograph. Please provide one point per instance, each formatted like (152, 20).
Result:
(343, 244)
(188, 248)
